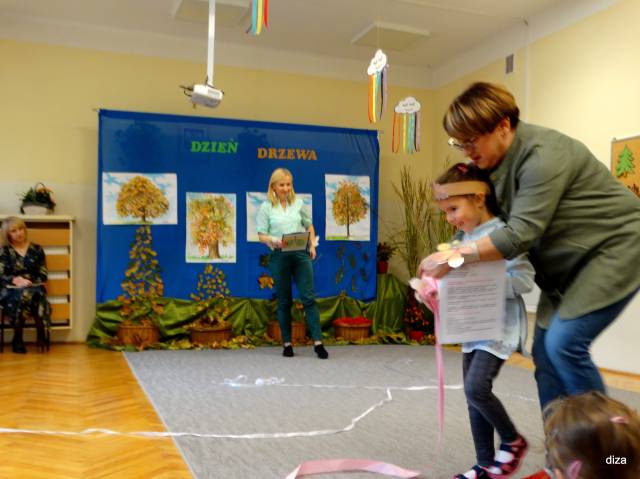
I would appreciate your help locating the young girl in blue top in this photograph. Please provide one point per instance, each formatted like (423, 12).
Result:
(283, 213)
(465, 194)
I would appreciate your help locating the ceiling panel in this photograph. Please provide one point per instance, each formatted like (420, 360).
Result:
(312, 27)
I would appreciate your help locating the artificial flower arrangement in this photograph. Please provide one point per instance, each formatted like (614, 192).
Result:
(417, 317)
(39, 197)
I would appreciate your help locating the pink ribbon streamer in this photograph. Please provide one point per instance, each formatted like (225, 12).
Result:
(574, 469)
(344, 465)
(426, 292)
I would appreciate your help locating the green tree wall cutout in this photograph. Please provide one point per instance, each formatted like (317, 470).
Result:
(625, 164)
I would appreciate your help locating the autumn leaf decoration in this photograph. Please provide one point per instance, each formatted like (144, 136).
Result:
(142, 286)
(212, 297)
(141, 198)
(265, 281)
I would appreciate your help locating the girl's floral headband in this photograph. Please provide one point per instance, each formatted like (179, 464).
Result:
(459, 188)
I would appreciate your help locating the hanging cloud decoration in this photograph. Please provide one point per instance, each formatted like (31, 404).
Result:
(377, 63)
(408, 105)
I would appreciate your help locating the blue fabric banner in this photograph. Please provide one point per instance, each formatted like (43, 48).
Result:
(190, 158)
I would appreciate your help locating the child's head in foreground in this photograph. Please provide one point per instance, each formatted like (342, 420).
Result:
(592, 436)
(465, 194)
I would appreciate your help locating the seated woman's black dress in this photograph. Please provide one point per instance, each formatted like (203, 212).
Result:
(19, 303)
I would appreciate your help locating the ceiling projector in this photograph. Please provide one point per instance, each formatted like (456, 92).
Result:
(204, 95)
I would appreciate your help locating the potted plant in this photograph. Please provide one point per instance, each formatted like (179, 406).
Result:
(384, 253)
(142, 290)
(37, 200)
(213, 300)
(418, 319)
(423, 228)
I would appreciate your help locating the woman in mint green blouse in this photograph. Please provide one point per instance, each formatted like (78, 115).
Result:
(283, 213)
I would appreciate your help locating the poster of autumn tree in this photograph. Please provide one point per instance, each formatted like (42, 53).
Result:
(139, 198)
(255, 199)
(211, 228)
(348, 212)
(625, 162)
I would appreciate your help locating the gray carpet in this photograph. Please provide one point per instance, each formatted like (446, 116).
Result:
(187, 389)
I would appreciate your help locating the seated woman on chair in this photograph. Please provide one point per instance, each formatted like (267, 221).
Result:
(23, 273)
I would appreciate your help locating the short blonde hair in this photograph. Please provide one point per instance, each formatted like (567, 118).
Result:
(278, 175)
(478, 110)
(8, 223)
(589, 428)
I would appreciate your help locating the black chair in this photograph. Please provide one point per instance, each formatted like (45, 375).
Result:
(29, 324)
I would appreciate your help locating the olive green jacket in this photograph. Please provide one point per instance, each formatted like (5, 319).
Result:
(580, 225)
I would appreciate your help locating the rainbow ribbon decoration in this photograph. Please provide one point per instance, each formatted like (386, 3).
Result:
(378, 73)
(259, 16)
(405, 136)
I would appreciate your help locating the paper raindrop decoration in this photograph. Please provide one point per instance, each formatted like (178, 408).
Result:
(378, 72)
(259, 16)
(405, 137)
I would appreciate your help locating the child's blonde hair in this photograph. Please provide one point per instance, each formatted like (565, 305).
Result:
(592, 436)
(277, 175)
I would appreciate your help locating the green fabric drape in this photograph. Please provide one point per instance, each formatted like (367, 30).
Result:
(250, 316)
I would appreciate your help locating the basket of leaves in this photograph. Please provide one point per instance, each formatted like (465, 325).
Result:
(212, 303)
(352, 329)
(142, 292)
(298, 324)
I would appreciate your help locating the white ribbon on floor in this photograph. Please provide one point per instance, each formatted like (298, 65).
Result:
(242, 381)
(150, 434)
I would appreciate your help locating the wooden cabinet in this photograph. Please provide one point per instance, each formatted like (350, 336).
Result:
(55, 234)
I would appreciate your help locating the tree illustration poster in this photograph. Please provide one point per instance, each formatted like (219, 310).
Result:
(255, 199)
(348, 210)
(211, 228)
(625, 162)
(139, 198)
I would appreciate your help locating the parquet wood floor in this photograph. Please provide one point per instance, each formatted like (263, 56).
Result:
(74, 387)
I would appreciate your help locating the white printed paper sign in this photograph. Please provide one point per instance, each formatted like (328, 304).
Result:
(472, 302)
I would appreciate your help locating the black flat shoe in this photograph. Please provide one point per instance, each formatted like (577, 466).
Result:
(320, 351)
(19, 348)
(287, 351)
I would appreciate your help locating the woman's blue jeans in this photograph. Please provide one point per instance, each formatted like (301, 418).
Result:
(297, 265)
(561, 353)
